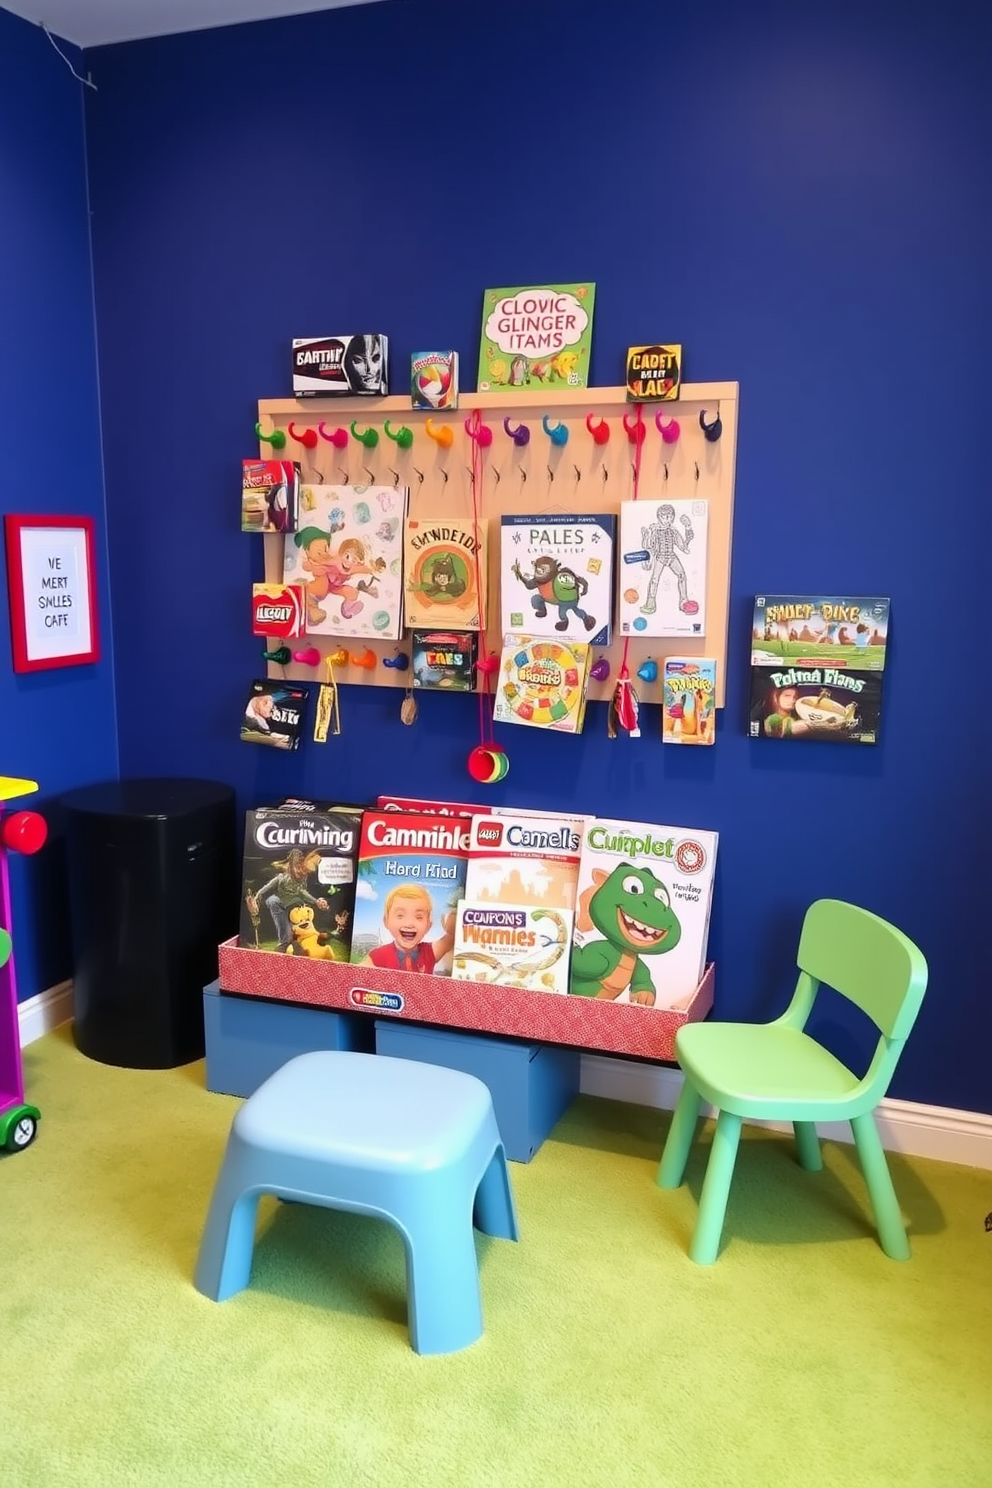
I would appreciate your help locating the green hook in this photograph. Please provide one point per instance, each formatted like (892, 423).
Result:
(403, 436)
(281, 656)
(370, 437)
(277, 438)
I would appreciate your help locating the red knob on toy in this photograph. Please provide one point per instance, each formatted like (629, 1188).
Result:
(308, 437)
(24, 831)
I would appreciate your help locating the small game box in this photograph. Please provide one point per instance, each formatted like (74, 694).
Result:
(270, 495)
(434, 381)
(277, 610)
(274, 714)
(512, 945)
(444, 660)
(298, 892)
(836, 704)
(654, 373)
(688, 709)
(341, 366)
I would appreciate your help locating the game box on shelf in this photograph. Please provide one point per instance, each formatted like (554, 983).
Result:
(581, 1022)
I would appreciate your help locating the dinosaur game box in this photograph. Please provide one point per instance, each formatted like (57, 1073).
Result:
(298, 892)
(642, 913)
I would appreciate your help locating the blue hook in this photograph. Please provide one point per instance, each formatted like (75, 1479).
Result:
(711, 432)
(557, 435)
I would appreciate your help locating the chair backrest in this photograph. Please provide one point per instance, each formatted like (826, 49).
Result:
(866, 959)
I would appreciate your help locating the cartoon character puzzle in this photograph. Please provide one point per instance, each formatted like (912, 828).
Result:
(408, 916)
(557, 586)
(632, 910)
(345, 572)
(661, 540)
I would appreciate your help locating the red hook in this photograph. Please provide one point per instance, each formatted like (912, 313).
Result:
(308, 438)
(601, 433)
(635, 431)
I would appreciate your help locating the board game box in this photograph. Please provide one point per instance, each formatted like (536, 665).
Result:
(519, 859)
(512, 945)
(837, 704)
(274, 714)
(556, 575)
(444, 660)
(542, 683)
(654, 373)
(270, 495)
(298, 886)
(444, 564)
(340, 366)
(642, 913)
(536, 336)
(411, 875)
(662, 575)
(688, 706)
(815, 630)
(348, 558)
(434, 380)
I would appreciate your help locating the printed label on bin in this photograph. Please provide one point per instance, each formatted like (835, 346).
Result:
(383, 1002)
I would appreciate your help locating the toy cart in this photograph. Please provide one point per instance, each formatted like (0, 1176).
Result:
(20, 831)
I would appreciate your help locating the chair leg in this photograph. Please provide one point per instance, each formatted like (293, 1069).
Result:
(223, 1265)
(443, 1298)
(808, 1146)
(891, 1230)
(716, 1189)
(680, 1136)
(494, 1212)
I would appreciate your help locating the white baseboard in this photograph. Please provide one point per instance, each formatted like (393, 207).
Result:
(920, 1131)
(963, 1137)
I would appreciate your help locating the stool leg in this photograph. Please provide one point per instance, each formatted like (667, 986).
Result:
(443, 1299)
(223, 1265)
(494, 1212)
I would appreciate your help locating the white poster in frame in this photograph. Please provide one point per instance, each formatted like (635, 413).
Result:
(52, 591)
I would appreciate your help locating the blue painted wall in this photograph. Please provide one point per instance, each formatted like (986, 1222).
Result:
(795, 193)
(56, 727)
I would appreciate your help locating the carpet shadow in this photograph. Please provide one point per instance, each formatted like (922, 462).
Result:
(613, 1126)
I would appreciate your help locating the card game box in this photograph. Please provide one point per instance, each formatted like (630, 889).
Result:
(341, 366)
(274, 714)
(270, 495)
(277, 610)
(434, 380)
(444, 660)
(654, 373)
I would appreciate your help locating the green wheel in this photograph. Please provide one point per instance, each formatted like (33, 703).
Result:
(21, 1130)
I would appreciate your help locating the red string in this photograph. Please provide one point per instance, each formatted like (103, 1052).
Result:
(638, 447)
(485, 708)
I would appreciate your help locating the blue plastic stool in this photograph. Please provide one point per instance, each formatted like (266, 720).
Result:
(412, 1143)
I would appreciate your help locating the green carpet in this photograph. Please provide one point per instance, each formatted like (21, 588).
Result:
(802, 1359)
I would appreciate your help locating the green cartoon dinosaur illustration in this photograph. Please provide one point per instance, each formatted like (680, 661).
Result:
(632, 909)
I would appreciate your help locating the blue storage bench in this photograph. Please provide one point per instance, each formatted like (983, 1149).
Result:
(531, 1084)
(248, 1039)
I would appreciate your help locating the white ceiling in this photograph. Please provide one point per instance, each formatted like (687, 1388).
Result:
(88, 23)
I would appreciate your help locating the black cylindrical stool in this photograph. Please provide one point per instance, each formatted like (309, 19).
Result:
(153, 891)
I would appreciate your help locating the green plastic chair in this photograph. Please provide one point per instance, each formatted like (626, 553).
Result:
(775, 1071)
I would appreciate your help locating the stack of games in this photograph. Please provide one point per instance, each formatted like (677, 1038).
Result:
(270, 495)
(556, 575)
(642, 913)
(298, 893)
(347, 557)
(688, 711)
(341, 366)
(662, 579)
(411, 876)
(542, 683)
(816, 667)
(536, 336)
(445, 568)
(434, 380)
(274, 714)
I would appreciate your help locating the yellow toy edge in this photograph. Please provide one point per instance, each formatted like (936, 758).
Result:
(11, 787)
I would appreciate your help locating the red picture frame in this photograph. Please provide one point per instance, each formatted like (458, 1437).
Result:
(51, 586)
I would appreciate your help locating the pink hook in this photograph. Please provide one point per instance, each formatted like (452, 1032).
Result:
(601, 433)
(670, 431)
(635, 431)
(308, 438)
(339, 438)
(480, 432)
(309, 657)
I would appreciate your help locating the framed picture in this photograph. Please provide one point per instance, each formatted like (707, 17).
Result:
(50, 578)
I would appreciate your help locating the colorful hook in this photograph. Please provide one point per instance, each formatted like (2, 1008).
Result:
(309, 657)
(368, 437)
(281, 656)
(403, 437)
(337, 658)
(711, 432)
(488, 664)
(520, 435)
(339, 437)
(635, 431)
(480, 432)
(308, 438)
(648, 670)
(669, 430)
(601, 431)
(366, 659)
(397, 663)
(600, 669)
(277, 438)
(558, 434)
(442, 434)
